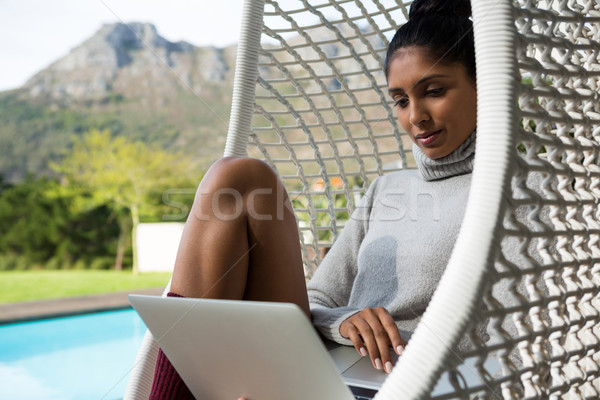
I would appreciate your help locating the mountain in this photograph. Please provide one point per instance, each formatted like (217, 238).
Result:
(132, 60)
(126, 78)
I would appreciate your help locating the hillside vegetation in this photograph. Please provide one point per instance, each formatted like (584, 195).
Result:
(129, 80)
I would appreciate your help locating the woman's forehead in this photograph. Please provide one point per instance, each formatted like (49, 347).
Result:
(408, 68)
(412, 66)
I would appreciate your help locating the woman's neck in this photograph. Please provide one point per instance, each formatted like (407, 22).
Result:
(459, 162)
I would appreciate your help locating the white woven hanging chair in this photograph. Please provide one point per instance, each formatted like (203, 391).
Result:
(310, 99)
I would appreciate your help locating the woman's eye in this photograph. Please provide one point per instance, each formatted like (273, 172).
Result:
(435, 92)
(402, 102)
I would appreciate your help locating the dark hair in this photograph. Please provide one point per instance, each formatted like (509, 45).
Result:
(443, 28)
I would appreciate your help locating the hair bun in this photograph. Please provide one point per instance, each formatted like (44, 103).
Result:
(457, 8)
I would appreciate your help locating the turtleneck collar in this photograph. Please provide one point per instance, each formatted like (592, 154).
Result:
(459, 162)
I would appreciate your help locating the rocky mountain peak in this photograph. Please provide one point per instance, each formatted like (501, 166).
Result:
(137, 35)
(120, 58)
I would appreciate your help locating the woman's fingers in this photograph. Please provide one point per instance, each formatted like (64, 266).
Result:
(395, 340)
(373, 331)
(381, 342)
(367, 328)
(390, 327)
(350, 331)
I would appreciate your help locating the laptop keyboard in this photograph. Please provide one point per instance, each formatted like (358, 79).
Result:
(362, 393)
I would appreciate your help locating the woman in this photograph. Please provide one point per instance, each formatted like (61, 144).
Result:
(407, 223)
(241, 240)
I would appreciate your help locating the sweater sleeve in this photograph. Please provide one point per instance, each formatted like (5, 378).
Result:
(330, 287)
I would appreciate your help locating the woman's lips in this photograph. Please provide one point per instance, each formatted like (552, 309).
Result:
(427, 138)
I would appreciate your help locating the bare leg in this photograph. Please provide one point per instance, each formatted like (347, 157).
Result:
(241, 240)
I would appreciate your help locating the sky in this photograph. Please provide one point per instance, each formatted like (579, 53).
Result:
(34, 33)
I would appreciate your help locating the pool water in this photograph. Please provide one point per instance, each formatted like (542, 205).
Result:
(71, 358)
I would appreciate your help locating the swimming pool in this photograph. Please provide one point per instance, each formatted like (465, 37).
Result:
(72, 358)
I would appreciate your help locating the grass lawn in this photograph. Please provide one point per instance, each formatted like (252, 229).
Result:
(17, 286)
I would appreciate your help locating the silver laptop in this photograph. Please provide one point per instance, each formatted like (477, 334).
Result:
(226, 349)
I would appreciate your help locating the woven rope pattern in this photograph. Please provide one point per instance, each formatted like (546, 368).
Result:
(542, 311)
(323, 118)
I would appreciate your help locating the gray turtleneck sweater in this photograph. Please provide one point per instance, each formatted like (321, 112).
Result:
(395, 247)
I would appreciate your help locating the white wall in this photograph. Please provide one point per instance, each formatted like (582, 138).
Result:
(157, 245)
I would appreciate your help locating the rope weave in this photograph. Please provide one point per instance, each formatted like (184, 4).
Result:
(542, 303)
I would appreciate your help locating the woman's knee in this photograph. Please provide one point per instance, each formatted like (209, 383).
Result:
(241, 174)
(240, 186)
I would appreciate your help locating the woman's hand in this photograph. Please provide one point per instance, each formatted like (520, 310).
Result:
(373, 331)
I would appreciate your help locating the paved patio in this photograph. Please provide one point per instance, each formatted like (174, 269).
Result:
(33, 310)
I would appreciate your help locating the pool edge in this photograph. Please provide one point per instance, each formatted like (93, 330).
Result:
(55, 308)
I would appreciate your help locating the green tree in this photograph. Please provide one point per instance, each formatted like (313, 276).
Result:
(31, 224)
(123, 174)
(38, 228)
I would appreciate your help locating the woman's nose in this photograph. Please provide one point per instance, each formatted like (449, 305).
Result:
(418, 113)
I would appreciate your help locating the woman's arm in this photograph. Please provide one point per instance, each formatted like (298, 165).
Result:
(372, 331)
(330, 287)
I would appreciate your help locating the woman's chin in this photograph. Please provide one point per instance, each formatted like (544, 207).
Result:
(435, 154)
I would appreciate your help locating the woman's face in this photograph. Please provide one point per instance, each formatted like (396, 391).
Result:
(436, 103)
